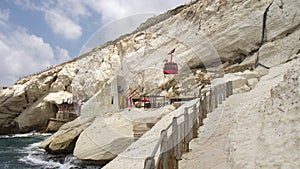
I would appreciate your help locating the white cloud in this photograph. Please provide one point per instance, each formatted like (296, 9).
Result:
(23, 53)
(4, 14)
(62, 55)
(4, 17)
(61, 16)
(73, 8)
(62, 25)
(110, 10)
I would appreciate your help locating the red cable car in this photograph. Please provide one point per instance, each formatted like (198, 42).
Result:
(170, 67)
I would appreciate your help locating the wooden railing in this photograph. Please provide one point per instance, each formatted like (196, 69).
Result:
(174, 140)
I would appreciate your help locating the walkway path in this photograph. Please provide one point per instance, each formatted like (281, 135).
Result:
(211, 149)
(244, 131)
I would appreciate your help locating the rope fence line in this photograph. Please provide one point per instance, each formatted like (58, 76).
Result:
(174, 140)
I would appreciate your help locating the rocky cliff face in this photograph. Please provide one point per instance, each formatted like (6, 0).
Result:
(22, 107)
(267, 124)
(226, 35)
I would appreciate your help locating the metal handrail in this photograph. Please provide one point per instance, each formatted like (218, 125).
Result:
(223, 91)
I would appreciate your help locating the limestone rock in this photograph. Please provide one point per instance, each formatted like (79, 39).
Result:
(64, 79)
(241, 81)
(22, 108)
(237, 81)
(64, 140)
(252, 82)
(57, 97)
(99, 66)
(13, 103)
(113, 134)
(248, 74)
(269, 118)
(280, 50)
(104, 101)
(55, 124)
(36, 116)
(252, 78)
(241, 89)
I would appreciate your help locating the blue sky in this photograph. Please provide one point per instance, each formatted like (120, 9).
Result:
(35, 34)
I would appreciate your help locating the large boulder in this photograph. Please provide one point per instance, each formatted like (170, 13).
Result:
(111, 133)
(281, 50)
(239, 83)
(36, 116)
(105, 138)
(12, 103)
(64, 140)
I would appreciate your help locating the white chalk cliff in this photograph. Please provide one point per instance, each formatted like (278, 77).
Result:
(212, 38)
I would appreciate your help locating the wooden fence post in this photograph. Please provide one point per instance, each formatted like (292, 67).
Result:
(204, 106)
(227, 89)
(230, 88)
(224, 91)
(176, 142)
(209, 108)
(164, 149)
(195, 122)
(216, 96)
(149, 163)
(220, 94)
(201, 111)
(212, 101)
(186, 130)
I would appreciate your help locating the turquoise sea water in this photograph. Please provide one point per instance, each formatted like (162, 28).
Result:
(21, 151)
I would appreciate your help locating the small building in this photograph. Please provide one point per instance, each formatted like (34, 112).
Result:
(66, 111)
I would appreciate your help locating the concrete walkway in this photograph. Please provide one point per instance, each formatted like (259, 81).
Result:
(241, 132)
(211, 148)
